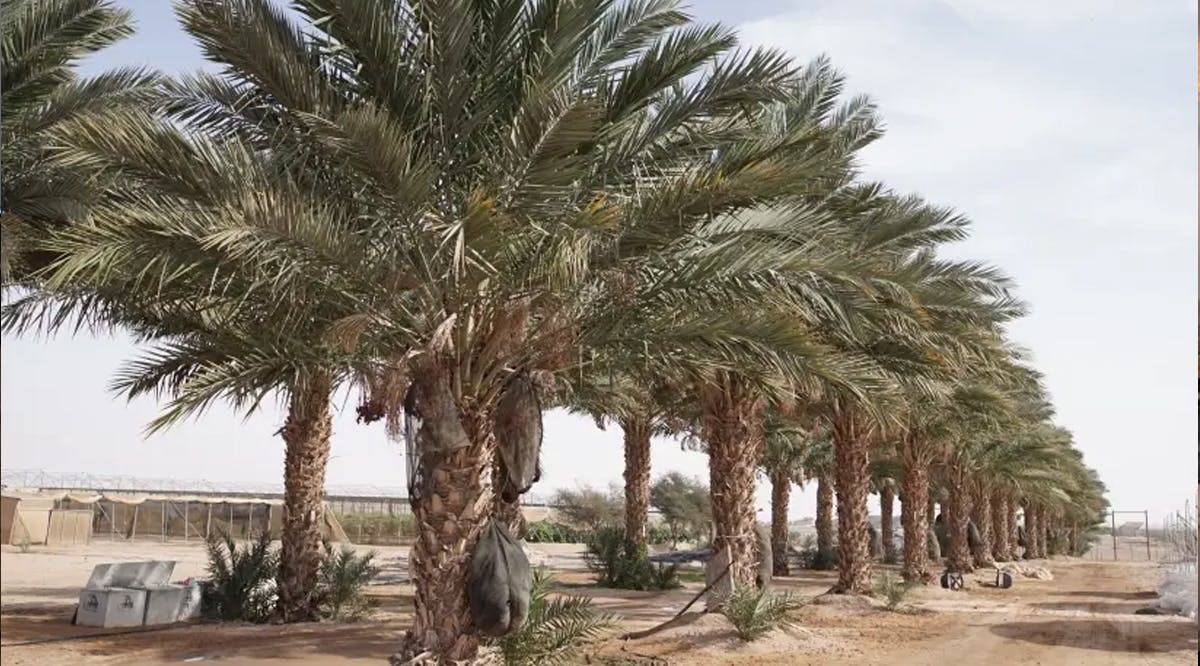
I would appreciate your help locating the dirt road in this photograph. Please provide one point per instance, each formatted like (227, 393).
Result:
(1083, 616)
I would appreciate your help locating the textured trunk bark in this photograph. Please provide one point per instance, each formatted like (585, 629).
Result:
(306, 435)
(1010, 515)
(850, 452)
(981, 513)
(455, 501)
(958, 512)
(1073, 540)
(1043, 533)
(887, 533)
(824, 514)
(930, 509)
(781, 491)
(733, 429)
(1031, 529)
(1001, 548)
(914, 512)
(637, 480)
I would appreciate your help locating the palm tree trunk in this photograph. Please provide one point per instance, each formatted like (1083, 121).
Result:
(887, 535)
(781, 490)
(1043, 533)
(1010, 515)
(306, 434)
(824, 514)
(1031, 528)
(454, 501)
(733, 430)
(981, 513)
(852, 473)
(637, 480)
(958, 513)
(1001, 548)
(930, 508)
(914, 511)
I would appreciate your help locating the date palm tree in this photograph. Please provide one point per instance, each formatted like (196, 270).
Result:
(43, 41)
(479, 182)
(784, 449)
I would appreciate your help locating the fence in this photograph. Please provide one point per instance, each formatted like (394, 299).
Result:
(1130, 538)
(192, 510)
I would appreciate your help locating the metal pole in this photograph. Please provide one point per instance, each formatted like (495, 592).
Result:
(133, 525)
(250, 520)
(1146, 514)
(185, 521)
(208, 522)
(231, 518)
(1114, 534)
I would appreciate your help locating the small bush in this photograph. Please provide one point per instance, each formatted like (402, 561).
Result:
(587, 508)
(755, 611)
(343, 577)
(616, 564)
(555, 630)
(658, 535)
(893, 589)
(808, 556)
(24, 544)
(548, 531)
(241, 585)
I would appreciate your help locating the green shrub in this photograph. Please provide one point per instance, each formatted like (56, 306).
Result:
(547, 531)
(24, 544)
(808, 556)
(893, 589)
(619, 565)
(241, 584)
(754, 612)
(343, 576)
(658, 535)
(555, 630)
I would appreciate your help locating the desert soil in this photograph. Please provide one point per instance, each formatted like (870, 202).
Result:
(1084, 616)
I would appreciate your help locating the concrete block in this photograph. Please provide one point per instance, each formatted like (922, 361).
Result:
(111, 607)
(131, 574)
(166, 604)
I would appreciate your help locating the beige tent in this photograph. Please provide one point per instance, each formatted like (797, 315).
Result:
(161, 517)
(37, 520)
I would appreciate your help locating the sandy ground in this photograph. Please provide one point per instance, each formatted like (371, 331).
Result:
(1084, 616)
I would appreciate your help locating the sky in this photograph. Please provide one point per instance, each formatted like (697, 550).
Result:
(1065, 131)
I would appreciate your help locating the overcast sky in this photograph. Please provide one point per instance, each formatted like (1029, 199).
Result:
(1065, 130)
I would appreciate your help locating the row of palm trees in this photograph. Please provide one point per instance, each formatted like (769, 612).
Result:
(434, 201)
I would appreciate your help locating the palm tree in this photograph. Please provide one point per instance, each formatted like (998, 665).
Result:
(917, 337)
(43, 40)
(511, 167)
(202, 347)
(817, 463)
(885, 470)
(785, 447)
(643, 411)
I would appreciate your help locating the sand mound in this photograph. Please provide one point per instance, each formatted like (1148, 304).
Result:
(1027, 570)
(713, 634)
(845, 602)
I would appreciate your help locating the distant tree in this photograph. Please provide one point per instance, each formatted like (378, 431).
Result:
(588, 508)
(684, 505)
